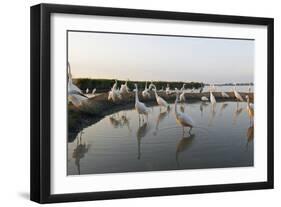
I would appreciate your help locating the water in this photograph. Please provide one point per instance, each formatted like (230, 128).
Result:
(122, 143)
(228, 88)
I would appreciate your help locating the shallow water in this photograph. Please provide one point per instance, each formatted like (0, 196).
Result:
(122, 143)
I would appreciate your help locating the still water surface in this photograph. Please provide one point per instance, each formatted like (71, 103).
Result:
(121, 142)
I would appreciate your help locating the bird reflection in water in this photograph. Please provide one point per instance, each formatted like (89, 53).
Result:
(236, 113)
(160, 118)
(117, 122)
(141, 132)
(184, 144)
(80, 151)
(202, 105)
(250, 135)
(223, 106)
(212, 114)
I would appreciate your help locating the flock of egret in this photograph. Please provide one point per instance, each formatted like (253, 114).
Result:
(76, 96)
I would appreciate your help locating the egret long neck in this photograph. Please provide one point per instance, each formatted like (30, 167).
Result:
(176, 106)
(137, 97)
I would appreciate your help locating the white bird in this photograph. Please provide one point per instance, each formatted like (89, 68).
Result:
(168, 89)
(114, 93)
(94, 91)
(124, 89)
(237, 95)
(160, 101)
(183, 87)
(182, 97)
(183, 119)
(87, 90)
(75, 95)
(145, 93)
(250, 110)
(139, 106)
(249, 89)
(224, 95)
(204, 98)
(212, 97)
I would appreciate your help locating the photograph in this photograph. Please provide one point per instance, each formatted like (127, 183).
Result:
(140, 102)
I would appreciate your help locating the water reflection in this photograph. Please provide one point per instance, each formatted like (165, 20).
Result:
(141, 132)
(237, 113)
(184, 144)
(250, 135)
(80, 151)
(152, 142)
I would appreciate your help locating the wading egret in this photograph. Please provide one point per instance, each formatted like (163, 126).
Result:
(250, 110)
(140, 107)
(183, 87)
(168, 91)
(160, 101)
(124, 89)
(114, 93)
(237, 95)
(182, 97)
(224, 95)
(183, 119)
(212, 98)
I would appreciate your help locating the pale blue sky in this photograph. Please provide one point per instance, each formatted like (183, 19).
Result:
(146, 57)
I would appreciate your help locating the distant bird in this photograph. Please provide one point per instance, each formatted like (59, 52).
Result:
(183, 87)
(145, 93)
(94, 91)
(237, 95)
(249, 89)
(168, 91)
(114, 93)
(160, 101)
(212, 97)
(250, 110)
(162, 89)
(204, 98)
(75, 95)
(87, 90)
(139, 106)
(224, 95)
(124, 89)
(183, 119)
(182, 97)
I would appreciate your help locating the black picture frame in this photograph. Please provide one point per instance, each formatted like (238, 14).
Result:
(41, 99)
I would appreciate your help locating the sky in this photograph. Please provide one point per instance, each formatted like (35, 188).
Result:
(166, 58)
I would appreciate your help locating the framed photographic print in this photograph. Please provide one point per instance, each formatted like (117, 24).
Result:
(132, 103)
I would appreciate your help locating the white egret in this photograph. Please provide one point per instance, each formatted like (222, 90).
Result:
(224, 95)
(250, 110)
(183, 119)
(145, 93)
(168, 91)
(237, 95)
(183, 87)
(139, 106)
(124, 89)
(94, 91)
(182, 97)
(87, 90)
(212, 97)
(114, 93)
(75, 95)
(160, 101)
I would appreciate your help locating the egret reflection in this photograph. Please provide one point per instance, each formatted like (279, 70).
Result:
(141, 132)
(80, 151)
(184, 144)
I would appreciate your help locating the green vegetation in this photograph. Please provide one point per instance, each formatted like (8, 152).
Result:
(104, 85)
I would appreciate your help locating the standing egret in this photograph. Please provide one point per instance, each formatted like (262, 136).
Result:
(168, 91)
(237, 95)
(224, 95)
(183, 87)
(160, 101)
(114, 93)
(139, 106)
(183, 119)
(145, 93)
(124, 89)
(75, 95)
(250, 110)
(182, 97)
(212, 98)
(87, 90)
(94, 91)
